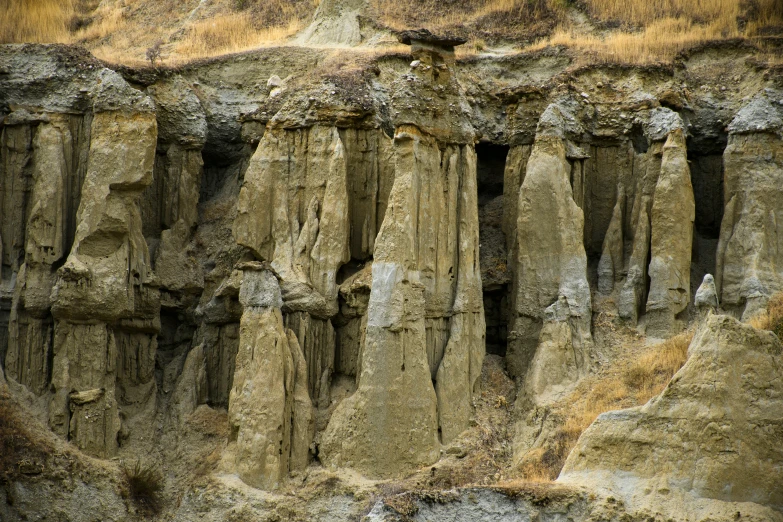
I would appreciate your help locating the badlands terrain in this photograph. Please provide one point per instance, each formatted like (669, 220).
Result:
(389, 261)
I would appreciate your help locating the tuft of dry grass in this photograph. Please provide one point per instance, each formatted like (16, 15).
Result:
(632, 385)
(772, 318)
(145, 483)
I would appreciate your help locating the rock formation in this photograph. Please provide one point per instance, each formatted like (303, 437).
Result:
(276, 265)
(671, 241)
(751, 238)
(712, 434)
(706, 299)
(551, 260)
(269, 408)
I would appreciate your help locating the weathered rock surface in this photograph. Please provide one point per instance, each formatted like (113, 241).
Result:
(672, 215)
(270, 412)
(550, 256)
(751, 239)
(712, 434)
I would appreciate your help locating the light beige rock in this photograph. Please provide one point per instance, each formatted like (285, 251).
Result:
(712, 435)
(751, 237)
(672, 215)
(301, 178)
(631, 301)
(551, 259)
(706, 299)
(269, 408)
(108, 272)
(85, 359)
(390, 424)
(610, 266)
(107, 283)
(458, 373)
(556, 366)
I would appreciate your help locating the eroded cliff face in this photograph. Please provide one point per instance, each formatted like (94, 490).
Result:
(317, 264)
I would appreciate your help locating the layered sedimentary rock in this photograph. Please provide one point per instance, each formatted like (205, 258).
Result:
(550, 255)
(713, 433)
(672, 216)
(270, 412)
(751, 238)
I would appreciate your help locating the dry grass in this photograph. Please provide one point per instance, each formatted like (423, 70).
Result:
(630, 384)
(478, 19)
(659, 41)
(35, 21)
(656, 30)
(646, 30)
(772, 318)
(230, 33)
(20, 450)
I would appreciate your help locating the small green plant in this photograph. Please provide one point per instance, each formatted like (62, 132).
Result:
(145, 483)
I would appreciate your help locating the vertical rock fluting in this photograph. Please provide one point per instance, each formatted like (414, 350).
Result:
(751, 236)
(43, 167)
(300, 179)
(270, 412)
(390, 423)
(550, 255)
(672, 215)
(105, 301)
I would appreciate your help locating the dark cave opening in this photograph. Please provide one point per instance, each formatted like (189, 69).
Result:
(495, 275)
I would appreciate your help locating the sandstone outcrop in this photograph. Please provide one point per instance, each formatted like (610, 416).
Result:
(751, 238)
(712, 435)
(405, 343)
(268, 267)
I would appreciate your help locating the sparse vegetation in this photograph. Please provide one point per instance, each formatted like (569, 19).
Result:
(629, 31)
(153, 53)
(629, 385)
(772, 318)
(36, 21)
(145, 483)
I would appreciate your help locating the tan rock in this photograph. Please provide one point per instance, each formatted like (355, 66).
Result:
(551, 259)
(610, 266)
(269, 409)
(751, 238)
(711, 437)
(672, 215)
(632, 295)
(85, 358)
(390, 425)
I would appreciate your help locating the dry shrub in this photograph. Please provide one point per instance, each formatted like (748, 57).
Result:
(20, 451)
(35, 21)
(479, 18)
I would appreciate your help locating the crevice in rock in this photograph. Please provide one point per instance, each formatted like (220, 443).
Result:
(490, 169)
